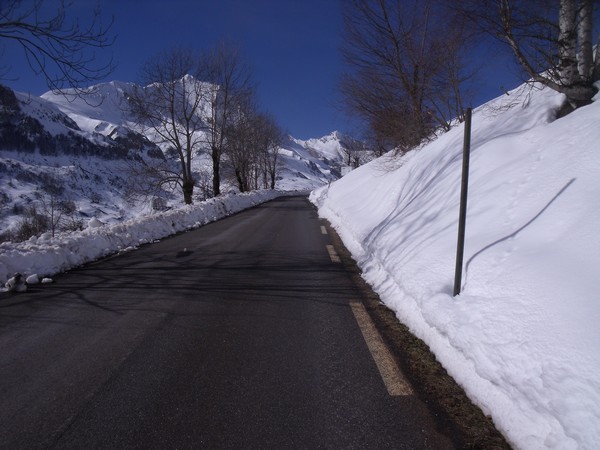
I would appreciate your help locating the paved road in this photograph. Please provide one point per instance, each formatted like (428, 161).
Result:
(237, 335)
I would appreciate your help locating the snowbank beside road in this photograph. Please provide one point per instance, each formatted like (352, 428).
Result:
(522, 338)
(47, 256)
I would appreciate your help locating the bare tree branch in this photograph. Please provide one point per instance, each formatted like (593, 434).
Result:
(63, 51)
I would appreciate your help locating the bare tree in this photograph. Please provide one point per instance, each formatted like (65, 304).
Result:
(406, 66)
(50, 195)
(252, 147)
(253, 140)
(172, 109)
(355, 152)
(241, 142)
(382, 105)
(232, 80)
(151, 178)
(270, 138)
(63, 51)
(551, 40)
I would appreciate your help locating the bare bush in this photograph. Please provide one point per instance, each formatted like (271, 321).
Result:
(159, 204)
(204, 184)
(32, 223)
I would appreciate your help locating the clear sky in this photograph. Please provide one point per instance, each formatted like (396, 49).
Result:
(292, 45)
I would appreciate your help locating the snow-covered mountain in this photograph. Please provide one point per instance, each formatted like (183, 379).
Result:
(81, 148)
(333, 155)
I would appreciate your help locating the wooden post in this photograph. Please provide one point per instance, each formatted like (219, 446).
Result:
(462, 218)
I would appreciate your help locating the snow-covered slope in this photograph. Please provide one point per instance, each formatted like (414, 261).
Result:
(102, 101)
(101, 110)
(523, 336)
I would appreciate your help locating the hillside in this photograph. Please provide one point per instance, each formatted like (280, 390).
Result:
(522, 338)
(80, 151)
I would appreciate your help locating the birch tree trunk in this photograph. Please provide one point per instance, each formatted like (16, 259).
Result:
(584, 31)
(567, 42)
(596, 75)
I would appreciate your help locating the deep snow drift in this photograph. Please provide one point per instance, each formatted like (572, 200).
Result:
(522, 338)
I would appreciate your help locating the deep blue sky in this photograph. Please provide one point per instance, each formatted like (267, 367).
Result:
(292, 45)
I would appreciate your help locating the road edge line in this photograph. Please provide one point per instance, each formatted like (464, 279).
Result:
(392, 377)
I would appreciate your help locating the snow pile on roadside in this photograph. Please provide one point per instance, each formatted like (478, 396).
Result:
(522, 338)
(47, 256)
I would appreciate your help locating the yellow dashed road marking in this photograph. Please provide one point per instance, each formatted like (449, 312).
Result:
(333, 254)
(393, 379)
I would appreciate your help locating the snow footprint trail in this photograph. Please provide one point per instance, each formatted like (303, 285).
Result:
(513, 235)
(515, 213)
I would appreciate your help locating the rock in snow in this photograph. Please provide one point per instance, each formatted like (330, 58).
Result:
(95, 223)
(33, 279)
(16, 283)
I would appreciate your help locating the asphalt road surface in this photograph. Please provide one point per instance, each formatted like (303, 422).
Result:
(241, 334)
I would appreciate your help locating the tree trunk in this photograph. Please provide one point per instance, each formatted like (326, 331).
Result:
(567, 42)
(188, 191)
(579, 94)
(216, 173)
(239, 178)
(596, 75)
(584, 32)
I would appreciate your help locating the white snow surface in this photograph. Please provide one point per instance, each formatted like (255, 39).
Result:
(101, 111)
(46, 255)
(522, 338)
